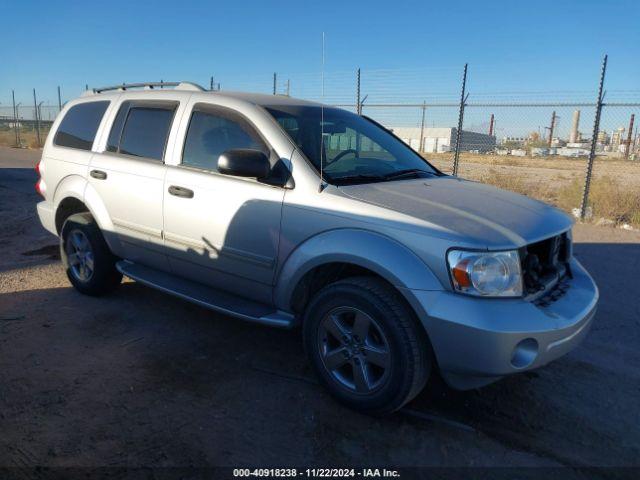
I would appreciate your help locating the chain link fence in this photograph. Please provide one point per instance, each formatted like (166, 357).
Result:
(26, 126)
(536, 143)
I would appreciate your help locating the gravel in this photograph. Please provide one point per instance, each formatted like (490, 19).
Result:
(139, 378)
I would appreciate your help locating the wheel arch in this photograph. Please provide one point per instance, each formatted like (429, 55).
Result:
(74, 194)
(361, 252)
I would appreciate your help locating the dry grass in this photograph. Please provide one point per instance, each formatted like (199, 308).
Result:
(615, 186)
(608, 197)
(28, 138)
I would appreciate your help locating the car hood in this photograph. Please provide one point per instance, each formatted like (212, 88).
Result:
(479, 213)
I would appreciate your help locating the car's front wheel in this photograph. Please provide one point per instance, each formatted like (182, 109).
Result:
(89, 263)
(366, 345)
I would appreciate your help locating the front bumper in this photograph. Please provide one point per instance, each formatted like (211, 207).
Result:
(478, 340)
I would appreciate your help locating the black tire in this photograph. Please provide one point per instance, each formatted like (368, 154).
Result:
(104, 277)
(393, 328)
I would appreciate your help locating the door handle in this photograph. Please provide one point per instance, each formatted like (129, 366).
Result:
(180, 191)
(99, 174)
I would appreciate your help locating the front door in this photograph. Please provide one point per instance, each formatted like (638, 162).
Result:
(220, 230)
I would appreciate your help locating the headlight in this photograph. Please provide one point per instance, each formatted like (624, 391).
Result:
(486, 274)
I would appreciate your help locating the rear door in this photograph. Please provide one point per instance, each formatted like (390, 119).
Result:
(129, 177)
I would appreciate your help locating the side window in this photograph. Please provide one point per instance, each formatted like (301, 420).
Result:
(211, 134)
(141, 130)
(79, 126)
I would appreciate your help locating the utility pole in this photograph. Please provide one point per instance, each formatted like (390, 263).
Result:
(629, 136)
(491, 124)
(552, 127)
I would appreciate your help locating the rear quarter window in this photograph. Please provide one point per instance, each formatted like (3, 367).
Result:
(80, 124)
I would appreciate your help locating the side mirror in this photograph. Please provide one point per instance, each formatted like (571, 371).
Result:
(244, 162)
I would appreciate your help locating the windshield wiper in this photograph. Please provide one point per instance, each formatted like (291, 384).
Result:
(360, 178)
(410, 172)
(369, 178)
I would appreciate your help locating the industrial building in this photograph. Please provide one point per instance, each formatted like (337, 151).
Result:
(443, 139)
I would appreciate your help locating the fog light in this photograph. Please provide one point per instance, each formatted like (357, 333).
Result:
(525, 353)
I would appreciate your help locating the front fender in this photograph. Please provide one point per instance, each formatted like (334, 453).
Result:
(373, 251)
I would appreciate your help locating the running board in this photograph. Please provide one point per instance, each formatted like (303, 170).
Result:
(205, 296)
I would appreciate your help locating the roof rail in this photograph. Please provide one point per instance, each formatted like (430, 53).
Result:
(189, 86)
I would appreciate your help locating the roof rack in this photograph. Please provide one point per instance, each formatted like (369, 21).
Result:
(189, 86)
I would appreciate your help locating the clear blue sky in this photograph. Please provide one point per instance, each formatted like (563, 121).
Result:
(510, 46)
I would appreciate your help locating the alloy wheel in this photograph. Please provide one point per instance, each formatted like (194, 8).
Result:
(79, 255)
(354, 350)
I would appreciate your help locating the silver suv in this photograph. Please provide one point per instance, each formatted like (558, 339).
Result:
(290, 213)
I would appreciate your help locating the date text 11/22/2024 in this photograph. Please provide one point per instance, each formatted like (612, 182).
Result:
(317, 472)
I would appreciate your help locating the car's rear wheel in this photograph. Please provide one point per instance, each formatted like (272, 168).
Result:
(365, 345)
(90, 265)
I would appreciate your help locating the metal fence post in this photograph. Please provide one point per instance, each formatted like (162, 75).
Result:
(59, 100)
(424, 111)
(15, 117)
(594, 140)
(18, 138)
(463, 101)
(358, 104)
(35, 113)
(275, 78)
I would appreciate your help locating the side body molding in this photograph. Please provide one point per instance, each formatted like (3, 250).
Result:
(378, 253)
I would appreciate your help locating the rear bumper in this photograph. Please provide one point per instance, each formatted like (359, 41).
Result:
(477, 341)
(47, 216)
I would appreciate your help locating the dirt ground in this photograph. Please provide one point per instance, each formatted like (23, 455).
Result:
(139, 378)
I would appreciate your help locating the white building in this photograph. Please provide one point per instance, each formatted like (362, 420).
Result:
(443, 139)
(573, 152)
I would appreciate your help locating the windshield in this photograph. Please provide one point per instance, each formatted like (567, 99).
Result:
(355, 149)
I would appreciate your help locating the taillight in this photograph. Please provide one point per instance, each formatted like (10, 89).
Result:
(40, 187)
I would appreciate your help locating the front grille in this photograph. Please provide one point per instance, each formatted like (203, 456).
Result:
(545, 263)
(553, 294)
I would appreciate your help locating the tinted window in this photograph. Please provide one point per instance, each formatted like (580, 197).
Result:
(352, 148)
(116, 129)
(79, 126)
(211, 134)
(145, 132)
